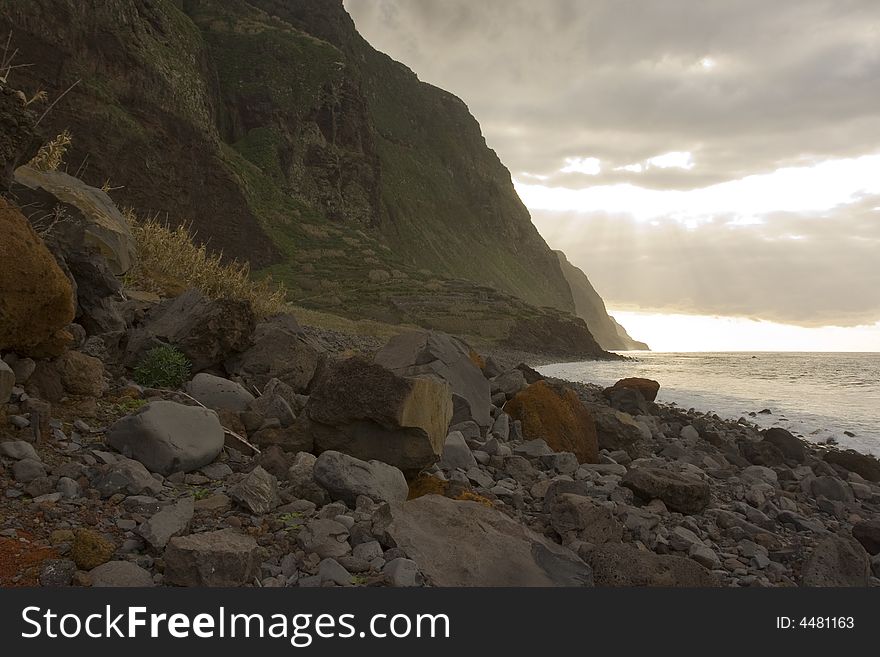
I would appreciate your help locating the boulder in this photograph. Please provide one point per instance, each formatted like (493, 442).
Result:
(836, 561)
(36, 298)
(617, 430)
(170, 521)
(628, 400)
(276, 402)
(648, 387)
(90, 549)
(867, 532)
(120, 574)
(509, 383)
(364, 410)
(680, 492)
(469, 544)
(865, 465)
(621, 565)
(792, 448)
(218, 558)
(18, 450)
(207, 331)
(585, 518)
(831, 488)
(456, 453)
(257, 492)
(93, 219)
(218, 393)
(168, 437)
(761, 453)
(81, 374)
(419, 353)
(345, 478)
(125, 476)
(556, 415)
(326, 538)
(278, 350)
(301, 477)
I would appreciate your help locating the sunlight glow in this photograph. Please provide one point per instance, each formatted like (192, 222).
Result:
(795, 189)
(676, 333)
(586, 165)
(673, 160)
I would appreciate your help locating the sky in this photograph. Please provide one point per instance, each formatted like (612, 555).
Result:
(713, 166)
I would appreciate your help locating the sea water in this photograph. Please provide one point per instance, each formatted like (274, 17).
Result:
(819, 396)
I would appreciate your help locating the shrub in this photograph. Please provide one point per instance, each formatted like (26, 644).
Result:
(162, 367)
(50, 157)
(169, 257)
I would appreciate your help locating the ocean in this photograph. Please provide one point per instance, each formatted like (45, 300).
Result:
(814, 395)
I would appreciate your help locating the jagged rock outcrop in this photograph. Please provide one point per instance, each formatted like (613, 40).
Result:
(590, 307)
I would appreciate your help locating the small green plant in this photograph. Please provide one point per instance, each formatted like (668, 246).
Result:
(291, 520)
(163, 367)
(359, 580)
(201, 493)
(128, 405)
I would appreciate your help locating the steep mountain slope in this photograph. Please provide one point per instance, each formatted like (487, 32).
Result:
(288, 141)
(590, 307)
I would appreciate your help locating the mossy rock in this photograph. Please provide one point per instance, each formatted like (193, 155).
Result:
(555, 414)
(90, 549)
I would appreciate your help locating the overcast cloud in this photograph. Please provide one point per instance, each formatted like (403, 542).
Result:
(630, 125)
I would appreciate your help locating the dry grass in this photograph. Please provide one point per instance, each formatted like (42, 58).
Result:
(50, 157)
(169, 261)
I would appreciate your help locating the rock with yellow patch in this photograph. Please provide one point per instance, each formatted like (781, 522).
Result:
(555, 414)
(36, 298)
(371, 413)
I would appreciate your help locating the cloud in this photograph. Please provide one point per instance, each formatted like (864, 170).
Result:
(698, 157)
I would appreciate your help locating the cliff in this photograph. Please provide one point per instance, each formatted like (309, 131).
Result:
(590, 307)
(286, 140)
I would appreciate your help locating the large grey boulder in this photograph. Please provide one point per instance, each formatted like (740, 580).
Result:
(326, 538)
(364, 410)
(218, 558)
(837, 561)
(207, 331)
(218, 393)
(419, 353)
(509, 383)
(168, 437)
(345, 478)
(468, 544)
(621, 565)
(685, 493)
(276, 402)
(277, 350)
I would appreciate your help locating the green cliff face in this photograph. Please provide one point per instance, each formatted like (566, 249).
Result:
(287, 140)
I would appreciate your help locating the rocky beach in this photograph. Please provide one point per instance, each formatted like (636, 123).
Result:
(283, 458)
(171, 416)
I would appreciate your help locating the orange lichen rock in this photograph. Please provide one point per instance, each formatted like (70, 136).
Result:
(555, 414)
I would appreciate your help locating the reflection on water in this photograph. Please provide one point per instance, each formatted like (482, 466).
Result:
(818, 396)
